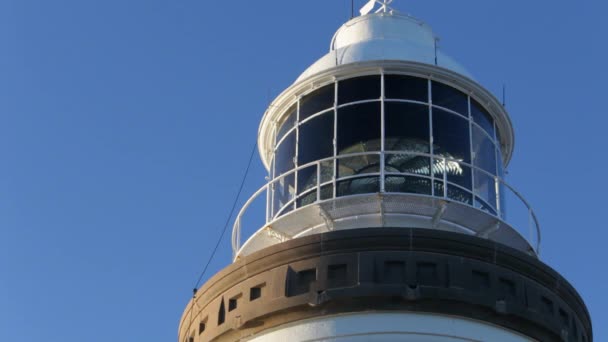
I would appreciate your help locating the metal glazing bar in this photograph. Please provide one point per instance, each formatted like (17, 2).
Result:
(407, 101)
(382, 132)
(447, 110)
(335, 141)
(471, 153)
(430, 104)
(317, 114)
(295, 158)
(356, 103)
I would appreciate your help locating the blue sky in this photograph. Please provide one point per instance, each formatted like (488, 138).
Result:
(125, 127)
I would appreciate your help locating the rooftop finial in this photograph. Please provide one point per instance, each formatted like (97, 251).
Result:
(369, 6)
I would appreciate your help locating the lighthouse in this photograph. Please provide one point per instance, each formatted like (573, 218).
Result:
(386, 215)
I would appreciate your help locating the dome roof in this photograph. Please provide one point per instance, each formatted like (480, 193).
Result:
(383, 36)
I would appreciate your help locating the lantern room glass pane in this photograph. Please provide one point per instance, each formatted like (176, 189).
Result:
(408, 184)
(451, 136)
(484, 152)
(316, 139)
(406, 127)
(285, 153)
(284, 192)
(481, 117)
(306, 199)
(454, 172)
(317, 101)
(500, 172)
(450, 98)
(485, 188)
(307, 178)
(406, 88)
(361, 185)
(359, 89)
(289, 121)
(357, 165)
(407, 163)
(359, 128)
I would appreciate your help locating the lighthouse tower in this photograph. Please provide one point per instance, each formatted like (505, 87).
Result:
(386, 216)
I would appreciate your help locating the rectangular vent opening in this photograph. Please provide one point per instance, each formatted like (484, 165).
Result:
(255, 292)
(506, 288)
(232, 304)
(299, 282)
(546, 305)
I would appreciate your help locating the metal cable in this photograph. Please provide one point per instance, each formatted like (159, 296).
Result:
(198, 282)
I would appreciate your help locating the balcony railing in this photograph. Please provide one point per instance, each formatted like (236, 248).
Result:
(434, 177)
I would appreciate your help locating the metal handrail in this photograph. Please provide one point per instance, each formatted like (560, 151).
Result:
(236, 232)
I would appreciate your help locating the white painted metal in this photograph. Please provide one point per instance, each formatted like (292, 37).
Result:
(385, 327)
(368, 7)
(383, 36)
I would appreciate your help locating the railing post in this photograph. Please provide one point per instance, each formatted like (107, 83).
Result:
(318, 181)
(497, 193)
(530, 224)
(445, 178)
(236, 243)
(271, 190)
(382, 172)
(267, 202)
